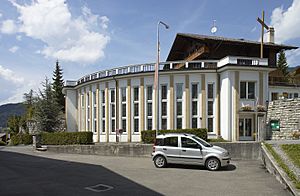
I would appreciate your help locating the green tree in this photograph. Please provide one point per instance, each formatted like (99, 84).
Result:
(58, 84)
(47, 111)
(282, 64)
(13, 123)
(29, 102)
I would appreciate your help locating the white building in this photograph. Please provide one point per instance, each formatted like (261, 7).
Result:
(207, 82)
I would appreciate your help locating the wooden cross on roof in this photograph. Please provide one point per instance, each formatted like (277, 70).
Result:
(263, 26)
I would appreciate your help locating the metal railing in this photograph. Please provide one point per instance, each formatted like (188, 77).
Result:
(172, 65)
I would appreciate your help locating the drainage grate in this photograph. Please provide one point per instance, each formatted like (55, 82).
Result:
(99, 188)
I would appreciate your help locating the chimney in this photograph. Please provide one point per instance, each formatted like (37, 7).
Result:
(270, 34)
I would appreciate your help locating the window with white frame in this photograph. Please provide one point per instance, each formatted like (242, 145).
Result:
(194, 109)
(247, 90)
(149, 93)
(136, 109)
(94, 111)
(164, 108)
(82, 112)
(210, 107)
(112, 110)
(179, 101)
(88, 111)
(123, 109)
(103, 111)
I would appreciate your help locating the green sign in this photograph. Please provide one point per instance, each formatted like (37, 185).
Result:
(274, 125)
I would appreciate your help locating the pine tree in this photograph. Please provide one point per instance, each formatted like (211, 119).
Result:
(282, 64)
(47, 110)
(58, 84)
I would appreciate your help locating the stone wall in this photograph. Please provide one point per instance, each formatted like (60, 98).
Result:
(237, 150)
(287, 111)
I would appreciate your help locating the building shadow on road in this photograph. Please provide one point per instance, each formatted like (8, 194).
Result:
(30, 175)
(230, 167)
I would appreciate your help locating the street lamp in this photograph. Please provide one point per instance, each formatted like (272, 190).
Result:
(156, 75)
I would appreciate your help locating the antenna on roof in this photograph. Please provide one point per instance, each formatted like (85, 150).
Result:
(214, 28)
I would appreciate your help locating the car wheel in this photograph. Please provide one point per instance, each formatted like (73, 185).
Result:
(160, 161)
(212, 164)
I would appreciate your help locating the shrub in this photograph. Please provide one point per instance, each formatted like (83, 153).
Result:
(66, 138)
(21, 138)
(2, 143)
(261, 108)
(296, 134)
(246, 108)
(148, 136)
(217, 140)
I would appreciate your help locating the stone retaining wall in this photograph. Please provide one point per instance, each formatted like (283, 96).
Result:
(237, 150)
(287, 111)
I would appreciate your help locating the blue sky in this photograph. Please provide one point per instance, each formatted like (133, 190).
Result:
(92, 35)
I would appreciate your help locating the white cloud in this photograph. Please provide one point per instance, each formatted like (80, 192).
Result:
(286, 22)
(76, 40)
(8, 27)
(10, 76)
(19, 37)
(0, 15)
(293, 57)
(13, 86)
(14, 49)
(15, 93)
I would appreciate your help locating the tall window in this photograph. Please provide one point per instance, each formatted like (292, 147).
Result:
(102, 111)
(210, 107)
(113, 110)
(149, 92)
(274, 96)
(136, 109)
(88, 111)
(94, 111)
(82, 112)
(195, 105)
(123, 108)
(179, 92)
(247, 90)
(164, 109)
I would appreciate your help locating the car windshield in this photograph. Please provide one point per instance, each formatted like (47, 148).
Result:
(201, 141)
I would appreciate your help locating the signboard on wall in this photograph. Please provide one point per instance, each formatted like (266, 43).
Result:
(275, 125)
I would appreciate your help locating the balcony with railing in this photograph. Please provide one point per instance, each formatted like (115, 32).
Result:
(284, 81)
(247, 61)
(167, 66)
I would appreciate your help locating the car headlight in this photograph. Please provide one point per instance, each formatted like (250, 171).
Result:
(225, 154)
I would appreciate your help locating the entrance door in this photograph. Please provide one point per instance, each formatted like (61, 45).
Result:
(246, 129)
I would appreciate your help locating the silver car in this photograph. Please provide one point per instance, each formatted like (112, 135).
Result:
(188, 149)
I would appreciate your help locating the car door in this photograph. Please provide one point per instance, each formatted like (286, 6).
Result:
(171, 149)
(190, 152)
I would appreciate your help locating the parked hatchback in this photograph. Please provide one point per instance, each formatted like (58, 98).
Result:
(188, 149)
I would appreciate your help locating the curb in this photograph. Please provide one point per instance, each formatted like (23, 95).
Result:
(277, 171)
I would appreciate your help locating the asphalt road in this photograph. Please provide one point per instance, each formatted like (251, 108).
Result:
(24, 172)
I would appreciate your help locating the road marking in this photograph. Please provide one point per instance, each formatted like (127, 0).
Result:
(99, 188)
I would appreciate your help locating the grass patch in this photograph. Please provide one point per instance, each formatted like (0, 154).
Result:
(285, 168)
(293, 152)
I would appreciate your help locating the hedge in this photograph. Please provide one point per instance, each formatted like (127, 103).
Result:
(21, 138)
(66, 138)
(148, 136)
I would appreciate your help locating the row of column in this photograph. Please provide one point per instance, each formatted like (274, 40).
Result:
(82, 118)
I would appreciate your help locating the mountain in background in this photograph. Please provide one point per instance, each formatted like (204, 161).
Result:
(9, 110)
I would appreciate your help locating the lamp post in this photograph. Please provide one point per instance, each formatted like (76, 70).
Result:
(156, 75)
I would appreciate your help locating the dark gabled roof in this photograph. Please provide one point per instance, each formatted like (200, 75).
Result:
(180, 43)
